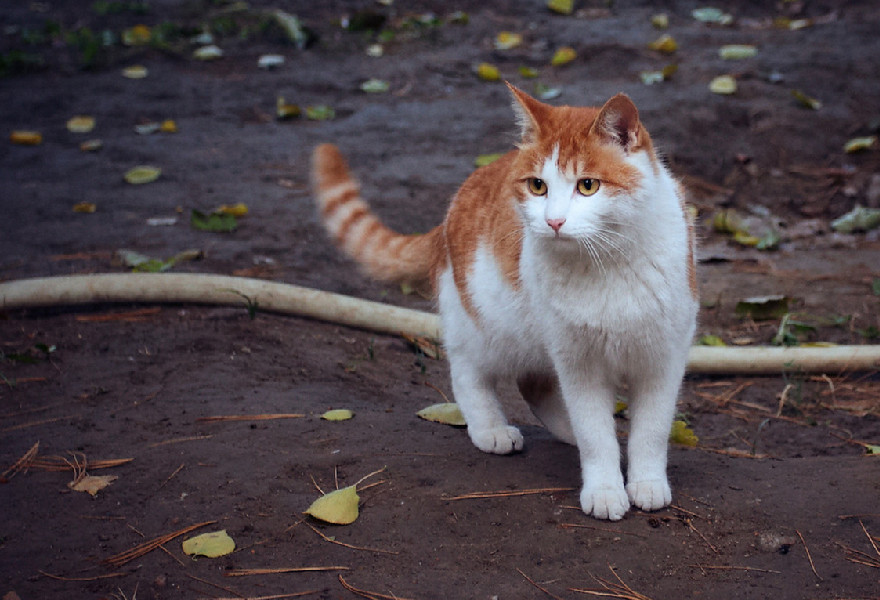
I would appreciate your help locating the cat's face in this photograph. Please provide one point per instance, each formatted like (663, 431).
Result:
(577, 173)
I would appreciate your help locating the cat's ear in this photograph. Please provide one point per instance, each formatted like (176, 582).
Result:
(529, 113)
(618, 123)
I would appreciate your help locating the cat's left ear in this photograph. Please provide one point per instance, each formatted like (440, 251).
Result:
(529, 113)
(618, 123)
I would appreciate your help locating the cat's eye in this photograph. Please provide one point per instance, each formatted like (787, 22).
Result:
(588, 187)
(537, 186)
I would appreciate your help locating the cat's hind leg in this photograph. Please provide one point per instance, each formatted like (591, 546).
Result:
(543, 396)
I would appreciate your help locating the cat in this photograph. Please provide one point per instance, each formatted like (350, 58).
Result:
(566, 265)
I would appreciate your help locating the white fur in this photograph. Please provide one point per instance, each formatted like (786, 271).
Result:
(604, 302)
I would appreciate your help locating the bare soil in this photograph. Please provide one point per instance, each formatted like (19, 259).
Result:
(779, 497)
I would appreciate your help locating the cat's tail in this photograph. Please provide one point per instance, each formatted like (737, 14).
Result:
(382, 252)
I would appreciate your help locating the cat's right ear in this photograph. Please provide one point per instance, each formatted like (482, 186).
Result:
(528, 113)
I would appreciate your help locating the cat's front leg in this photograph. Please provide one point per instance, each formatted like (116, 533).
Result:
(652, 408)
(474, 391)
(590, 404)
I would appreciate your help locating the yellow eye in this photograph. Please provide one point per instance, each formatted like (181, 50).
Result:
(588, 187)
(537, 186)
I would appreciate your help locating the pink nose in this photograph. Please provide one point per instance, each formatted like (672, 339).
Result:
(555, 224)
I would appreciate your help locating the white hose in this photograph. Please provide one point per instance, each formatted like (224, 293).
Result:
(345, 310)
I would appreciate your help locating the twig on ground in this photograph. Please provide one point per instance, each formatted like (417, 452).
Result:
(735, 568)
(510, 493)
(176, 471)
(809, 556)
(597, 528)
(613, 590)
(90, 578)
(699, 533)
(191, 438)
(275, 571)
(35, 423)
(117, 560)
(22, 463)
(367, 594)
(218, 586)
(272, 597)
(259, 417)
(534, 583)
(353, 547)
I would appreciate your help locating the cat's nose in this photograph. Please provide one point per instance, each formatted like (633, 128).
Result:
(555, 224)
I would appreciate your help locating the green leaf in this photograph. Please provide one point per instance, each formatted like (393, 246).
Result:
(217, 222)
(682, 434)
(764, 307)
(488, 72)
(860, 143)
(711, 340)
(212, 544)
(723, 84)
(338, 414)
(562, 7)
(528, 72)
(142, 174)
(872, 448)
(858, 219)
(447, 413)
(320, 112)
(660, 20)
(339, 507)
(487, 159)
(737, 51)
(375, 86)
(806, 101)
(563, 56)
(712, 15)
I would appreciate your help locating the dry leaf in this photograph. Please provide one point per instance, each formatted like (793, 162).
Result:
(563, 56)
(488, 72)
(507, 40)
(84, 207)
(81, 124)
(135, 72)
(239, 209)
(665, 43)
(339, 507)
(92, 483)
(211, 544)
(447, 413)
(142, 174)
(26, 138)
(682, 434)
(723, 84)
(737, 51)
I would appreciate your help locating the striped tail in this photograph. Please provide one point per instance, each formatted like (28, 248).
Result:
(384, 254)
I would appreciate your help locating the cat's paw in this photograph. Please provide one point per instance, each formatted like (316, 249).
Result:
(609, 503)
(649, 494)
(499, 440)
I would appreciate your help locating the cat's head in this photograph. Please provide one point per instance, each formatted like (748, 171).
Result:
(579, 170)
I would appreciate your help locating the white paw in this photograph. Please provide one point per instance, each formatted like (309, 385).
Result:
(499, 440)
(605, 503)
(649, 494)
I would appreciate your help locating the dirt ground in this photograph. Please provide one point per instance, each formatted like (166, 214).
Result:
(778, 499)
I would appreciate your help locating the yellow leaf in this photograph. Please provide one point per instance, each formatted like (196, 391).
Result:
(665, 43)
(211, 544)
(860, 143)
(283, 110)
(91, 145)
(135, 72)
(507, 40)
(168, 126)
(488, 72)
(682, 434)
(723, 84)
(338, 414)
(737, 51)
(236, 210)
(81, 124)
(447, 413)
(563, 7)
(339, 507)
(563, 56)
(84, 207)
(660, 21)
(487, 159)
(142, 174)
(26, 138)
(92, 483)
(139, 35)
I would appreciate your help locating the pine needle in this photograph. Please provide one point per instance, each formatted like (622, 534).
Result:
(117, 560)
(275, 571)
(366, 594)
(534, 583)
(260, 417)
(736, 568)
(510, 493)
(809, 556)
(338, 543)
(92, 578)
(613, 590)
(22, 463)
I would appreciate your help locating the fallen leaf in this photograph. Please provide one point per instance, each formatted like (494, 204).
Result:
(375, 86)
(270, 61)
(210, 52)
(135, 72)
(216, 222)
(293, 27)
(665, 44)
(283, 110)
(148, 128)
(858, 219)
(239, 209)
(81, 124)
(486, 159)
(507, 40)
(737, 51)
(91, 145)
(723, 84)
(26, 138)
(139, 35)
(211, 544)
(563, 56)
(652, 77)
(860, 143)
(682, 434)
(339, 507)
(660, 21)
(712, 15)
(806, 101)
(142, 174)
(763, 308)
(488, 72)
(872, 448)
(141, 263)
(447, 413)
(528, 72)
(168, 126)
(338, 414)
(562, 7)
(545, 92)
(84, 207)
(92, 483)
(711, 340)
(320, 112)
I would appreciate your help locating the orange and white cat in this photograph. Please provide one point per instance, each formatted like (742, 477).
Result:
(567, 265)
